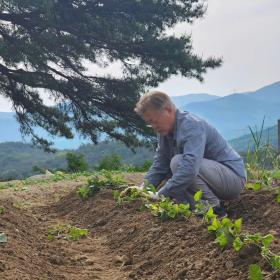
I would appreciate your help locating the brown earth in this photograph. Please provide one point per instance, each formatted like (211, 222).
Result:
(124, 243)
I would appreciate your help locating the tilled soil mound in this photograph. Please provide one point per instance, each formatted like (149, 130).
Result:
(177, 249)
(126, 243)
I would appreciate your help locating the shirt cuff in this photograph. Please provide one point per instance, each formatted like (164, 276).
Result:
(163, 191)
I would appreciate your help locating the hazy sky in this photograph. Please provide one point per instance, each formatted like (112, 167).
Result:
(245, 34)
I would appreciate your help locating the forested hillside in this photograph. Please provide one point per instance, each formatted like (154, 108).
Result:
(269, 135)
(17, 160)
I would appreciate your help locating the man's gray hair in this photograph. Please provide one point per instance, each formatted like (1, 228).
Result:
(155, 100)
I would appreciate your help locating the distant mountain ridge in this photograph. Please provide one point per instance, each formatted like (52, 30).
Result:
(231, 114)
(183, 100)
(269, 135)
(10, 132)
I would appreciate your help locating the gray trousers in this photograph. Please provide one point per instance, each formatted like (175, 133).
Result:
(215, 180)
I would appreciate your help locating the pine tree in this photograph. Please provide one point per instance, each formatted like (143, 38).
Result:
(47, 45)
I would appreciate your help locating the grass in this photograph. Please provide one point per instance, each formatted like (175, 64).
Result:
(67, 232)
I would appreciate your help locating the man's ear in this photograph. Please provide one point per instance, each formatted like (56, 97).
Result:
(169, 109)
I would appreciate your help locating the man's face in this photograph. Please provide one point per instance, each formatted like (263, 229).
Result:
(161, 121)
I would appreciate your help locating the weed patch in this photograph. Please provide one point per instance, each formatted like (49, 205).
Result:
(67, 232)
(103, 179)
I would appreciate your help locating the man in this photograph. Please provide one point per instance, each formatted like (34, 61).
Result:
(192, 154)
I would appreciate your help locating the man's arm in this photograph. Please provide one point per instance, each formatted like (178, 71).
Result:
(160, 167)
(194, 139)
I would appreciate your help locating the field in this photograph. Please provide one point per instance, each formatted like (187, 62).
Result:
(122, 242)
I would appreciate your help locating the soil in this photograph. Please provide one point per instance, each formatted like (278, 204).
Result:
(124, 242)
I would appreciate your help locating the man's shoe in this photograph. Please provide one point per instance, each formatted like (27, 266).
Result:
(220, 211)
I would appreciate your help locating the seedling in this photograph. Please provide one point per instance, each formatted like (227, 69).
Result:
(255, 272)
(166, 209)
(226, 231)
(129, 194)
(2, 210)
(103, 179)
(278, 195)
(67, 232)
(229, 233)
(134, 193)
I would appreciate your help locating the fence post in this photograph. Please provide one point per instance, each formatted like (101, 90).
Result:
(279, 136)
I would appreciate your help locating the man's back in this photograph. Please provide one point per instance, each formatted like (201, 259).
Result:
(215, 148)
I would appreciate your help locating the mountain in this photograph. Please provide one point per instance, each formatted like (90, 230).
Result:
(183, 100)
(10, 132)
(18, 159)
(269, 135)
(233, 114)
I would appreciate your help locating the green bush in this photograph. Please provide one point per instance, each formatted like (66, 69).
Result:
(138, 168)
(112, 162)
(76, 162)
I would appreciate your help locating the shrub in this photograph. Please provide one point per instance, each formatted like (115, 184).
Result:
(76, 162)
(112, 162)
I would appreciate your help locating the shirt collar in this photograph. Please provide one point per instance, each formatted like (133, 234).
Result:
(174, 132)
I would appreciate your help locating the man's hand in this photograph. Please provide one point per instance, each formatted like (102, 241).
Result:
(150, 195)
(142, 192)
(154, 196)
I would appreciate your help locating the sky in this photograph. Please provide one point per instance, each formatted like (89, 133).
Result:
(245, 34)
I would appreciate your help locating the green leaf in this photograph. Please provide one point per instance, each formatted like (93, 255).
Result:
(3, 238)
(275, 262)
(222, 240)
(267, 240)
(278, 196)
(226, 222)
(209, 216)
(253, 238)
(255, 272)
(276, 174)
(184, 209)
(215, 225)
(257, 186)
(198, 196)
(238, 244)
(238, 225)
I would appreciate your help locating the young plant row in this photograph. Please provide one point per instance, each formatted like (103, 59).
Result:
(101, 180)
(228, 233)
(164, 208)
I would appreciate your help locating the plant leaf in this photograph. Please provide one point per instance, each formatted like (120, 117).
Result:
(198, 196)
(255, 272)
(237, 244)
(267, 240)
(238, 225)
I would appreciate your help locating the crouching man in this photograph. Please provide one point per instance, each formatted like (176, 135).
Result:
(192, 154)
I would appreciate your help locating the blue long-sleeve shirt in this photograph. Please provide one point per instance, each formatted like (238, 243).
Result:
(195, 139)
